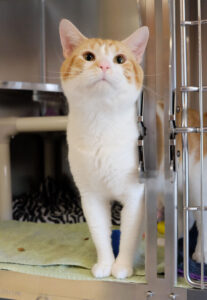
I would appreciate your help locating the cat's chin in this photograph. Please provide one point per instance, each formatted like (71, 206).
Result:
(102, 87)
(104, 83)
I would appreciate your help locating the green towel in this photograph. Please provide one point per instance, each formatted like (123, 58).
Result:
(55, 250)
(46, 244)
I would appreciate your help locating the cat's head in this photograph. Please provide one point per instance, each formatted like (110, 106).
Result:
(97, 68)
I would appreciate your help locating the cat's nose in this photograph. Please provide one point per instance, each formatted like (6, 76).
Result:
(104, 65)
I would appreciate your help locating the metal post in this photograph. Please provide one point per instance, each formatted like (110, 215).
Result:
(43, 43)
(171, 184)
(201, 140)
(5, 181)
(185, 162)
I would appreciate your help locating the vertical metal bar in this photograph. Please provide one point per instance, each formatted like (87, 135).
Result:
(201, 139)
(151, 233)
(185, 160)
(174, 83)
(5, 181)
(150, 85)
(148, 17)
(43, 44)
(171, 188)
(173, 55)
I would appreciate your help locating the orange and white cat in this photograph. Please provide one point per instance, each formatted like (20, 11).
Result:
(194, 174)
(194, 178)
(102, 80)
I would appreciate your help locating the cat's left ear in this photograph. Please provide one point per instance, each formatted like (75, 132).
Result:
(70, 37)
(137, 42)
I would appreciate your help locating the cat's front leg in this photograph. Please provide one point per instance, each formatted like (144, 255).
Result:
(98, 215)
(132, 223)
(197, 255)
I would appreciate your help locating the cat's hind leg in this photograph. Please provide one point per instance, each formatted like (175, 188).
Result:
(195, 200)
(132, 222)
(197, 255)
(98, 215)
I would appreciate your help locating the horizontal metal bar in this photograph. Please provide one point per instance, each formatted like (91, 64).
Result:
(30, 86)
(188, 130)
(184, 23)
(195, 208)
(11, 126)
(33, 124)
(184, 89)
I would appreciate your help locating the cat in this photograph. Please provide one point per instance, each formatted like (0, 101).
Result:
(194, 178)
(194, 174)
(102, 80)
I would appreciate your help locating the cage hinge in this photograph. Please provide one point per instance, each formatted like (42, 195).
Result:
(142, 134)
(172, 136)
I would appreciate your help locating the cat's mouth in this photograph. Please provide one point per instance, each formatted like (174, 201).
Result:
(103, 79)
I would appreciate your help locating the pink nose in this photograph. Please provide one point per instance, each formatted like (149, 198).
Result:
(104, 65)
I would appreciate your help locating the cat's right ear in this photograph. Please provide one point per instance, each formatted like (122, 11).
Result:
(137, 42)
(70, 37)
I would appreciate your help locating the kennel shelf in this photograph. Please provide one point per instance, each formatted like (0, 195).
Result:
(20, 286)
(30, 86)
(8, 128)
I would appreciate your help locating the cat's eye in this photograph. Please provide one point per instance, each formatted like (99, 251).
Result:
(119, 59)
(89, 56)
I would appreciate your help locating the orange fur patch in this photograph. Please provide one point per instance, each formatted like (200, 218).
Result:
(193, 138)
(138, 74)
(72, 67)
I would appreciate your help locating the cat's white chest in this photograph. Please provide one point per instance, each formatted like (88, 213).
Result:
(102, 154)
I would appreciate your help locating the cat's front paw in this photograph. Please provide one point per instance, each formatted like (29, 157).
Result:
(121, 271)
(101, 270)
(197, 256)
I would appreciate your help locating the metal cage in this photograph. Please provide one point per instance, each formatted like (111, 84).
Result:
(185, 89)
(164, 81)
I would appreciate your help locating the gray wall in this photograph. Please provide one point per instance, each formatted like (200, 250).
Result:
(118, 18)
(21, 32)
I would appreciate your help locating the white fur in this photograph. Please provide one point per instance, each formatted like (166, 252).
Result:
(102, 136)
(194, 200)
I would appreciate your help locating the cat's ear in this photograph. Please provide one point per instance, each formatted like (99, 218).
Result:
(137, 42)
(70, 37)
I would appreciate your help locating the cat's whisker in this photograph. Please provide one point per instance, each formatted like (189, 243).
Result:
(52, 77)
(54, 72)
(155, 75)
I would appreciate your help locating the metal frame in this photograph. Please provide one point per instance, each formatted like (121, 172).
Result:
(184, 130)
